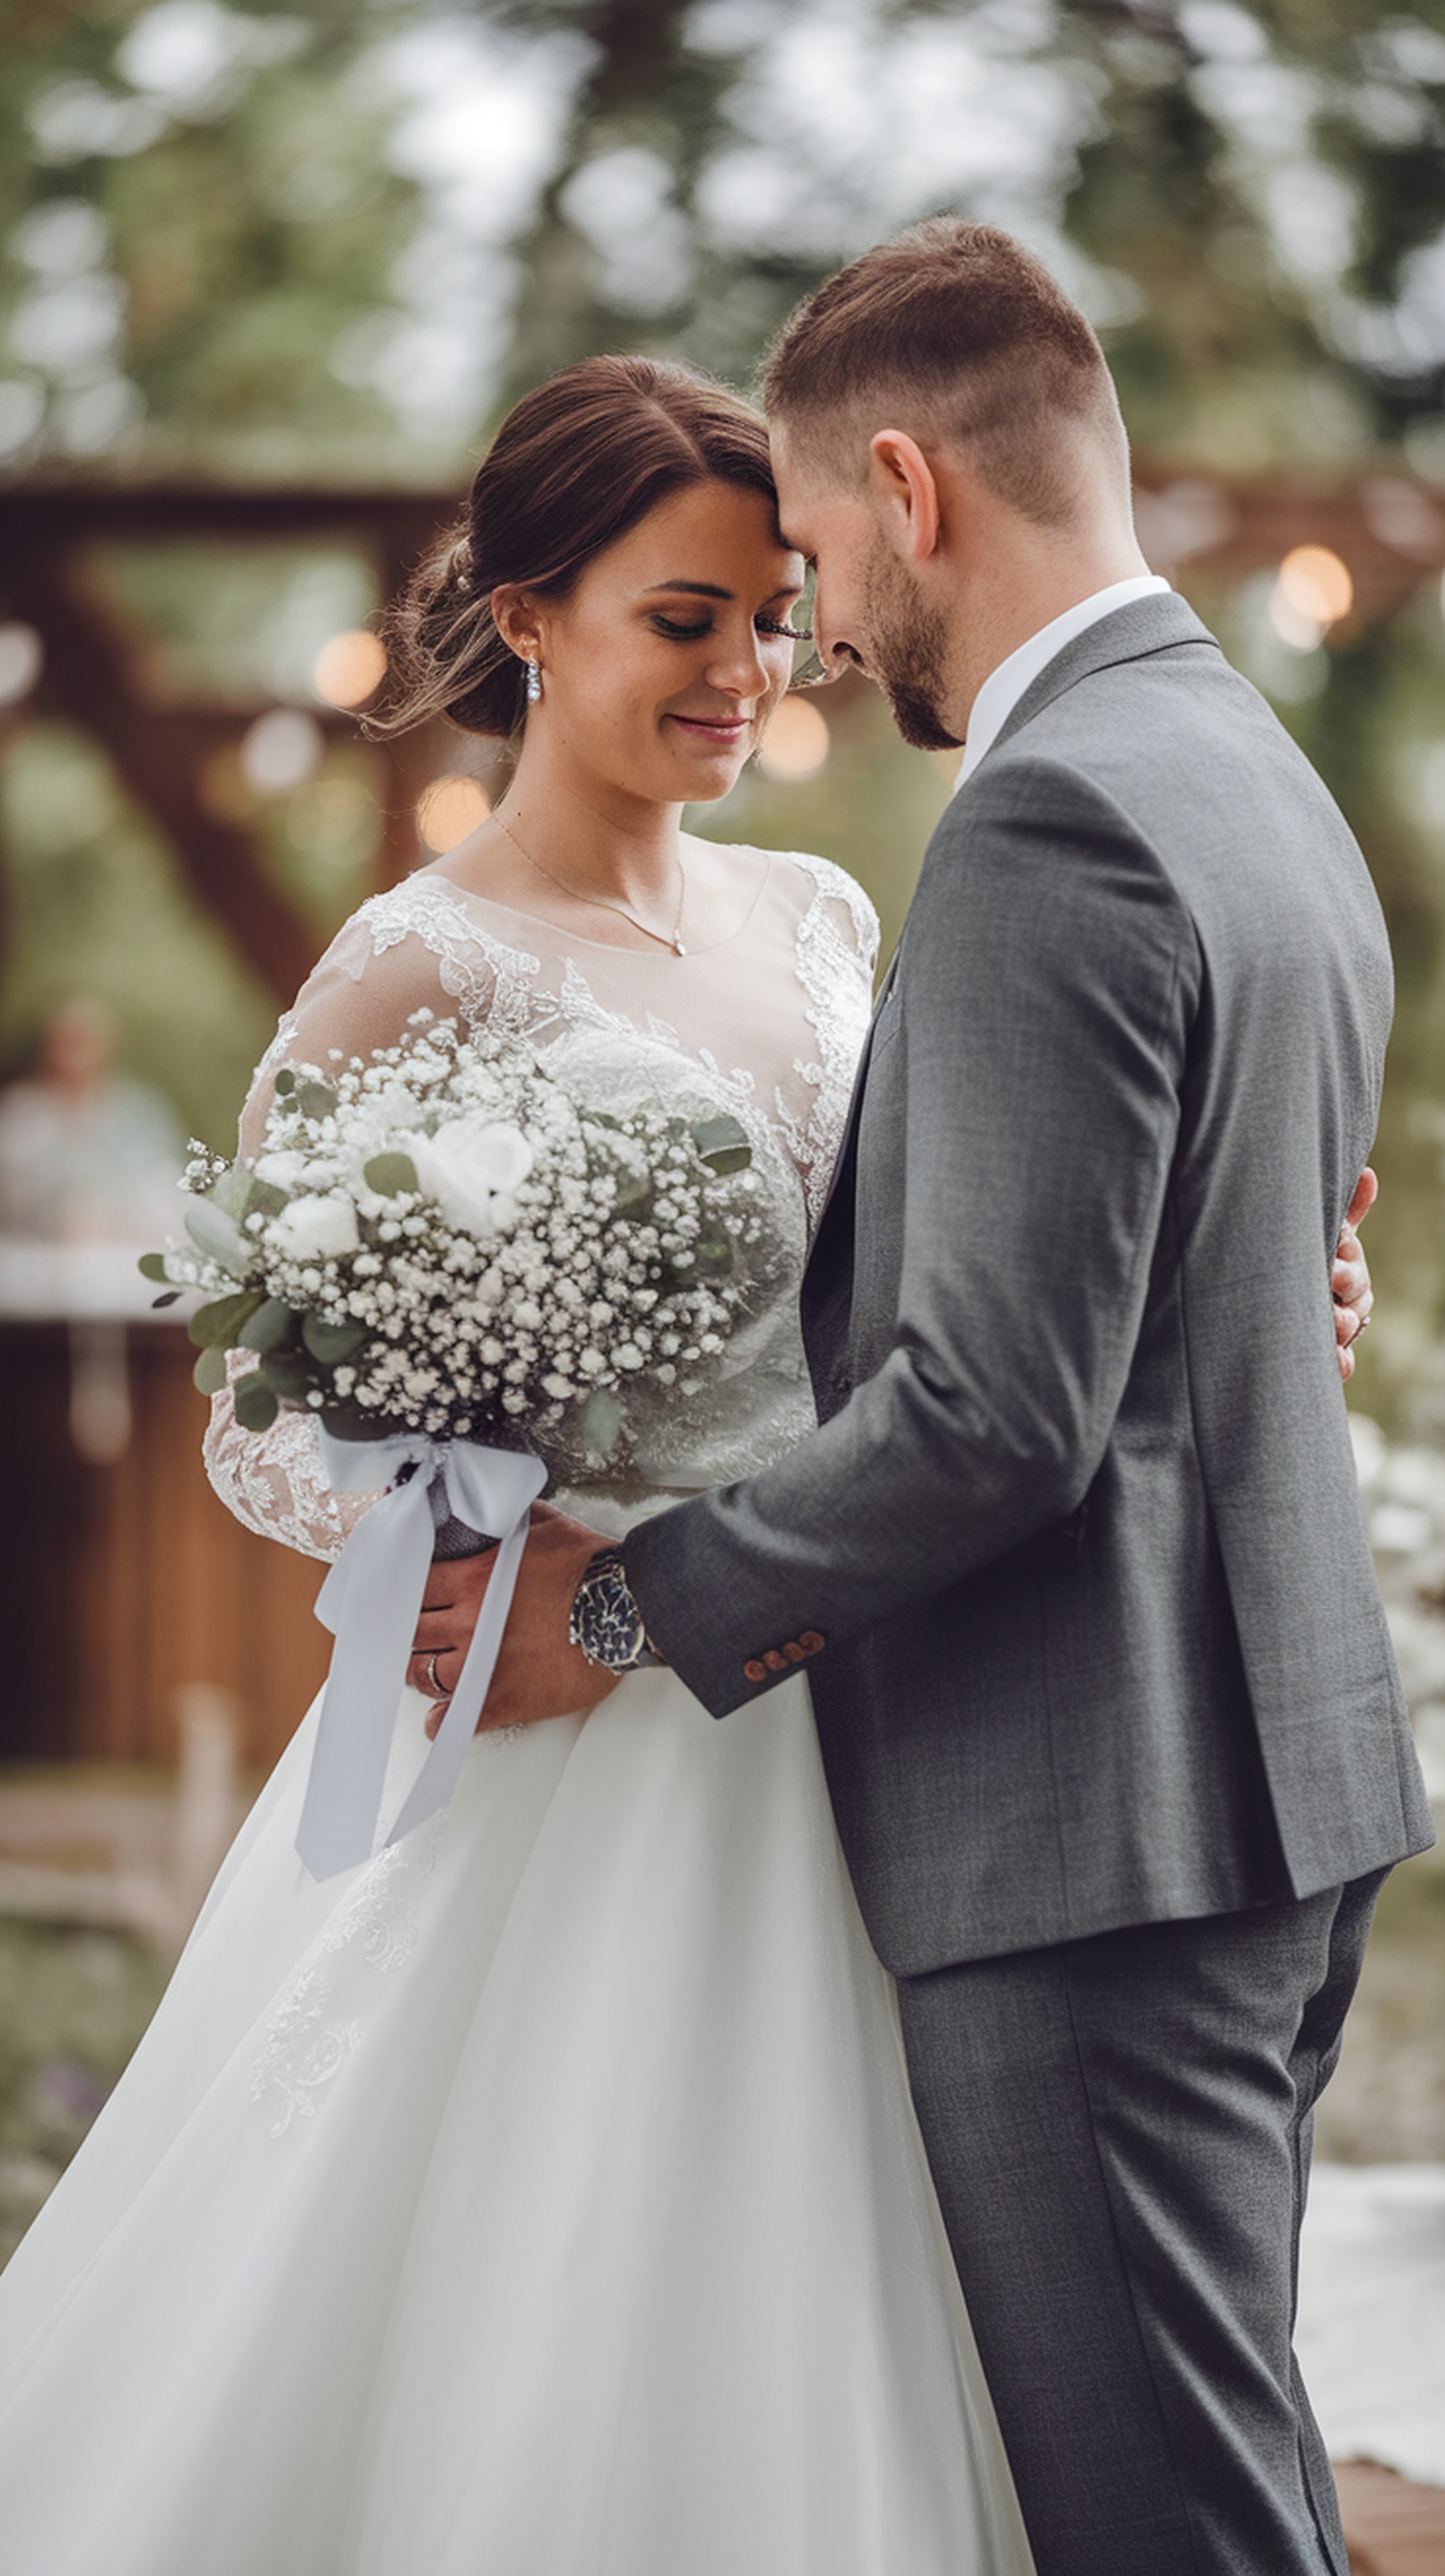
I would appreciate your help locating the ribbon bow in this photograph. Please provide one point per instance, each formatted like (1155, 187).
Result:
(370, 1601)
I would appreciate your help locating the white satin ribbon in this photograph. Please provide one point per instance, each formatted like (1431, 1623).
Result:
(370, 1602)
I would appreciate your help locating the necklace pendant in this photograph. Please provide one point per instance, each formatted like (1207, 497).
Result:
(678, 949)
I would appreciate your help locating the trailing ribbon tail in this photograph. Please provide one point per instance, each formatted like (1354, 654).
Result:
(371, 1600)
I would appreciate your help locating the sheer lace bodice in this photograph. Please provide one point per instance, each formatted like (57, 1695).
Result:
(766, 1024)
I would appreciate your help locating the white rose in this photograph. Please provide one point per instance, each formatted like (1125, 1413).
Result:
(470, 1165)
(315, 1228)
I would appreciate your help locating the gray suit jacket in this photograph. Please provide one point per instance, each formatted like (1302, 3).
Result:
(1076, 1555)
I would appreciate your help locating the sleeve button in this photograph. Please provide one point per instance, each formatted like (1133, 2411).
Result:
(811, 1642)
(775, 1662)
(753, 1671)
(793, 1651)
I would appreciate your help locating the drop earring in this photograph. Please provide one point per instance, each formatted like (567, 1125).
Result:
(534, 682)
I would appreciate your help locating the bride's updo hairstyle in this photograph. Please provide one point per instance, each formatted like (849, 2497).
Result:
(575, 466)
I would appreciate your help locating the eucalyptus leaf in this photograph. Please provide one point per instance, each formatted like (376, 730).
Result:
(390, 1174)
(256, 1406)
(722, 1144)
(232, 1191)
(285, 1082)
(152, 1265)
(215, 1327)
(268, 1327)
(332, 1343)
(172, 1297)
(241, 1194)
(219, 1237)
(287, 1374)
(317, 1099)
(210, 1372)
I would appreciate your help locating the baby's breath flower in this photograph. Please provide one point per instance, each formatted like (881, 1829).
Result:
(558, 1294)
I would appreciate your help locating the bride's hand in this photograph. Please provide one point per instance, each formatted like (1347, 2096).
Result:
(538, 1673)
(1350, 1275)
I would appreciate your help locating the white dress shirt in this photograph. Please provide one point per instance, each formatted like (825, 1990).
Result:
(1004, 687)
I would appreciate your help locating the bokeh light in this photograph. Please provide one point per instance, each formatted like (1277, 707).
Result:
(1312, 591)
(281, 750)
(349, 669)
(797, 742)
(22, 658)
(451, 808)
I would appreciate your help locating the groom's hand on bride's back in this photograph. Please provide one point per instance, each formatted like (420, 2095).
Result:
(538, 1673)
(1350, 1274)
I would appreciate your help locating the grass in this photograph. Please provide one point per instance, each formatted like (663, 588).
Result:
(73, 2004)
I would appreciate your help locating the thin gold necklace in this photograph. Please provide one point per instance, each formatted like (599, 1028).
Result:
(600, 903)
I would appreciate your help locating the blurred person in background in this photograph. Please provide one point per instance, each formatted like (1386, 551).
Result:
(87, 1154)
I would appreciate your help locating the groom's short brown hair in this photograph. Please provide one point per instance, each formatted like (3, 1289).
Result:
(956, 329)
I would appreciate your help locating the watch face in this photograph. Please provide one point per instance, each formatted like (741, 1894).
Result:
(606, 1622)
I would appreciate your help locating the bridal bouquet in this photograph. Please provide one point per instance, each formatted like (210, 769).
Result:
(482, 1266)
(457, 1238)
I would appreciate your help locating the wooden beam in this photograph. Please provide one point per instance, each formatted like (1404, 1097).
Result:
(86, 676)
(45, 519)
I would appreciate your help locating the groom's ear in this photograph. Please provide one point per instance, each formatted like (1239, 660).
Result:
(904, 490)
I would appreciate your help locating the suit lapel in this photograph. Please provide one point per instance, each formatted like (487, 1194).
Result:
(841, 1185)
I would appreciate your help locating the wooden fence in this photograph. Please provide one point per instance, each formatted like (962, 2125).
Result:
(126, 1583)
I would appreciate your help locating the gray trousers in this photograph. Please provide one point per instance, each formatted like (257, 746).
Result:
(1120, 2130)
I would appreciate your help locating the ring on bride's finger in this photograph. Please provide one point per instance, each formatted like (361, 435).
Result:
(438, 1688)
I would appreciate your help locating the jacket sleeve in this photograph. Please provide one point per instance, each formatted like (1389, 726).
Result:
(1047, 984)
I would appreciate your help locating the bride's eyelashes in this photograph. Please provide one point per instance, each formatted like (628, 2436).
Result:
(678, 633)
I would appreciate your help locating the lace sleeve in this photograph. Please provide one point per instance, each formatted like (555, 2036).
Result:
(411, 948)
(274, 1480)
(414, 946)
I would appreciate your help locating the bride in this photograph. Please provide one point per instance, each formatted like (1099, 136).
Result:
(543, 2197)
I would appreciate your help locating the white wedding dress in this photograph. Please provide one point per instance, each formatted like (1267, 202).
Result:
(543, 2198)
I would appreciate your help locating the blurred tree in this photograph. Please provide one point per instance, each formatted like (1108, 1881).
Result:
(221, 227)
(198, 204)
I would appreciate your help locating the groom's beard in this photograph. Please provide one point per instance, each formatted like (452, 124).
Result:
(907, 654)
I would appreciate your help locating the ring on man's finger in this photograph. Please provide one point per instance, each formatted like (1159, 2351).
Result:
(437, 1688)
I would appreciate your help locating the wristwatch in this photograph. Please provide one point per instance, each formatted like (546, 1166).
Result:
(606, 1622)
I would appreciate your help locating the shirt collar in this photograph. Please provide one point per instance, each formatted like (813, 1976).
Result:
(1005, 686)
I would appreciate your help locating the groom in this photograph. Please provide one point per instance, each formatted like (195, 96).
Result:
(1109, 1712)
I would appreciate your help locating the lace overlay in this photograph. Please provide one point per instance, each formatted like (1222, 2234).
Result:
(829, 951)
(768, 1025)
(310, 2037)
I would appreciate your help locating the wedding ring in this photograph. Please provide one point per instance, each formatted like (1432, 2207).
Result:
(438, 1689)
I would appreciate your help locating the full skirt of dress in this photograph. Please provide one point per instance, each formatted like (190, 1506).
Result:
(543, 2198)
